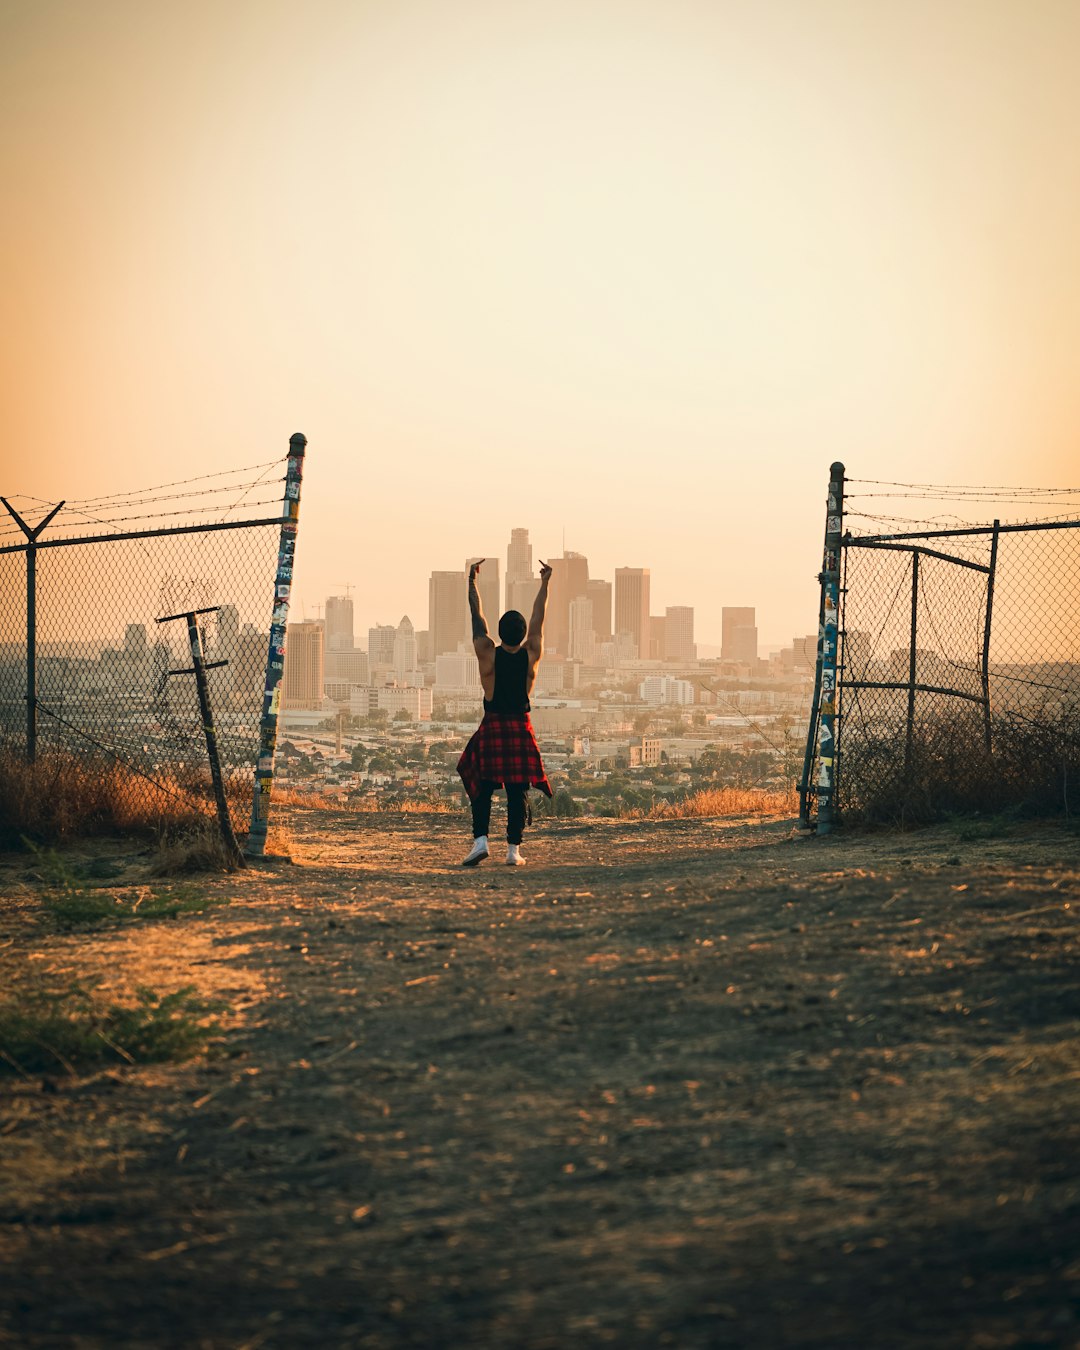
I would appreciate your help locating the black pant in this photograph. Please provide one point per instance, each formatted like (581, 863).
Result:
(516, 807)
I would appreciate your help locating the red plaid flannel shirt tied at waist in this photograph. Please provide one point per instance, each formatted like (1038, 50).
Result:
(502, 750)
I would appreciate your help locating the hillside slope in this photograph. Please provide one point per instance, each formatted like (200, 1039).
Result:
(687, 1083)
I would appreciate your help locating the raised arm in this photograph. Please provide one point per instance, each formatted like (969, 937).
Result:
(482, 643)
(535, 639)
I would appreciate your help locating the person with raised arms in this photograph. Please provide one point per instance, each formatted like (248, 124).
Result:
(503, 751)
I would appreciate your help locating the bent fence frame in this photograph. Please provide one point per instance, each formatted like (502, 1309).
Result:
(822, 764)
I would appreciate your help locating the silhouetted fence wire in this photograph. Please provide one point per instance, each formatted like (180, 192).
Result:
(959, 680)
(105, 570)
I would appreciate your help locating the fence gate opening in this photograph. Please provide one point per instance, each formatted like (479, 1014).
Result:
(957, 687)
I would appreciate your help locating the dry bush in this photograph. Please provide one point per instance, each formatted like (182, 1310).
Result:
(62, 796)
(198, 848)
(723, 801)
(946, 770)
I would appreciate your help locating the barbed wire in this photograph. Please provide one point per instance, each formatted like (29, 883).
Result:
(179, 482)
(158, 515)
(944, 489)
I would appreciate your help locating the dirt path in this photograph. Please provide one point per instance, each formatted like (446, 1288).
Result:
(689, 1084)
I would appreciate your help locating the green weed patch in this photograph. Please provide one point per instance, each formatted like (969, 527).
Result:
(67, 1029)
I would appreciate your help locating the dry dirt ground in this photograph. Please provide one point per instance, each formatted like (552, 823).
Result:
(679, 1083)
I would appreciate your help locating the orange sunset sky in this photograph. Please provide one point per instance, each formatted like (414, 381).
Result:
(636, 270)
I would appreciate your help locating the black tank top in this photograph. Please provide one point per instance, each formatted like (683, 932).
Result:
(511, 682)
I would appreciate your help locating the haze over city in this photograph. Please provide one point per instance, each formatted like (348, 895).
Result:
(633, 271)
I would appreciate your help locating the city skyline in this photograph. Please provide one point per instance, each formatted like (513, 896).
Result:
(571, 581)
(583, 611)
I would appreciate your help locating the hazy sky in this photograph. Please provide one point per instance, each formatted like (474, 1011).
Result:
(637, 268)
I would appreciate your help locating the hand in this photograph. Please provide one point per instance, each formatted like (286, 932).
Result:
(545, 570)
(475, 568)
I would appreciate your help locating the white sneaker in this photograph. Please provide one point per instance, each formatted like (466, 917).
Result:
(513, 856)
(477, 853)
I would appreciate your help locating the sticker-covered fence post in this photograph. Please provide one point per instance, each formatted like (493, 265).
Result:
(829, 642)
(988, 725)
(275, 661)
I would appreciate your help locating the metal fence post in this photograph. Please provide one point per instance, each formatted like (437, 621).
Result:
(988, 725)
(199, 667)
(812, 732)
(275, 661)
(31, 623)
(912, 661)
(830, 610)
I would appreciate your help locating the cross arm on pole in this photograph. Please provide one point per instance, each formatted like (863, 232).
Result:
(31, 531)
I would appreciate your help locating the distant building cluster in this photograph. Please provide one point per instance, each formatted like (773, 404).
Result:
(596, 631)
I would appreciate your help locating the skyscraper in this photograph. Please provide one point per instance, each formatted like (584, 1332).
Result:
(339, 623)
(569, 581)
(228, 631)
(521, 583)
(380, 641)
(519, 563)
(679, 634)
(582, 645)
(738, 634)
(599, 592)
(303, 675)
(447, 611)
(405, 659)
(632, 605)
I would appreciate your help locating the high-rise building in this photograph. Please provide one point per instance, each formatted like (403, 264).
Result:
(679, 634)
(305, 645)
(519, 563)
(135, 640)
(228, 631)
(339, 624)
(657, 628)
(582, 645)
(405, 657)
(346, 667)
(521, 595)
(736, 645)
(569, 581)
(487, 583)
(381, 645)
(632, 605)
(448, 610)
(599, 592)
(660, 689)
(521, 583)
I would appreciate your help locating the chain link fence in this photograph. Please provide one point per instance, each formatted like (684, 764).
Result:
(960, 671)
(82, 601)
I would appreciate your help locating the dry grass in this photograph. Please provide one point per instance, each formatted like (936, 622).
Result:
(198, 848)
(370, 804)
(946, 769)
(724, 801)
(63, 796)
